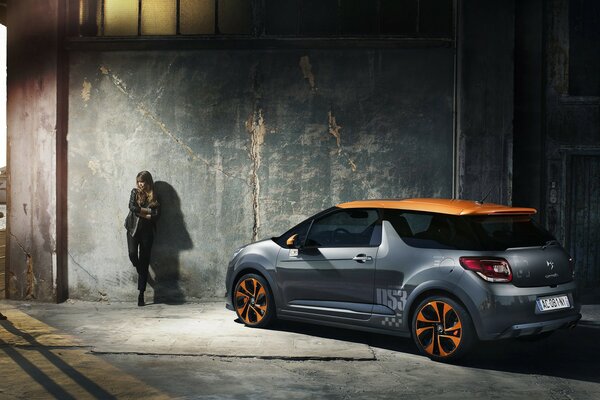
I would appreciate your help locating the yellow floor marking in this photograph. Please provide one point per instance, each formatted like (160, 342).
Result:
(32, 366)
(41, 333)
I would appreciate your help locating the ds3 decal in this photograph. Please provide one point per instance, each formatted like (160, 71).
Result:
(395, 299)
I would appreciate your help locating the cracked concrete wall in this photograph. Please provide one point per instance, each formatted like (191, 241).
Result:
(31, 122)
(243, 144)
(486, 100)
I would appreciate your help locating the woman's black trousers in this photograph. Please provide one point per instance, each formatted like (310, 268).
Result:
(140, 247)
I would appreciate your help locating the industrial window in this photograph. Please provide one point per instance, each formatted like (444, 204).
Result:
(164, 17)
(295, 18)
(584, 48)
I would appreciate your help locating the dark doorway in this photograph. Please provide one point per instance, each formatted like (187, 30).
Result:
(583, 234)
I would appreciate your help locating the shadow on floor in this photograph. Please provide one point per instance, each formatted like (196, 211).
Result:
(569, 354)
(39, 376)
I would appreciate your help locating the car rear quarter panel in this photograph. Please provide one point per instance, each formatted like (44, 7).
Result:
(408, 273)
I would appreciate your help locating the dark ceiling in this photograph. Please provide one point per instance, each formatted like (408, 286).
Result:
(3, 12)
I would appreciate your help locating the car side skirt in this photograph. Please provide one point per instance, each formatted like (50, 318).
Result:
(338, 322)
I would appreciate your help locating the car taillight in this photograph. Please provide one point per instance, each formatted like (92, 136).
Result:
(488, 268)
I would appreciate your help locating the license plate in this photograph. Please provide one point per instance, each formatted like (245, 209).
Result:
(553, 303)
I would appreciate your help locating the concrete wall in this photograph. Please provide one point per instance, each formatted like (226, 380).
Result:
(32, 120)
(486, 95)
(243, 144)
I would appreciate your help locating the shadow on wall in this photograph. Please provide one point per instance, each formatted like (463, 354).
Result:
(171, 238)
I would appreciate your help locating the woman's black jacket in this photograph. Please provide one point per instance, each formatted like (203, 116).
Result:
(132, 222)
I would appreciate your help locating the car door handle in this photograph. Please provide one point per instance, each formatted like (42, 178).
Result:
(362, 258)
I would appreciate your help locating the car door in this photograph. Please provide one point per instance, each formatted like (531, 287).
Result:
(333, 271)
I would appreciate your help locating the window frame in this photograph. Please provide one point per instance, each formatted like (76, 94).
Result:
(89, 32)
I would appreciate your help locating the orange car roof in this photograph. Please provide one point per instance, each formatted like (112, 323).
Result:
(442, 206)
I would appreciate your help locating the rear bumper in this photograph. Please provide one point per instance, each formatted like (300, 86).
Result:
(536, 328)
(505, 311)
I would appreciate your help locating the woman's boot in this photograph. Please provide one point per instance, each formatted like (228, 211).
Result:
(141, 299)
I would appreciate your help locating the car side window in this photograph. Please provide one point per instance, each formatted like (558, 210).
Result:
(432, 231)
(346, 228)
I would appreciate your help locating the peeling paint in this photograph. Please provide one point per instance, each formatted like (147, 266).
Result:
(12, 285)
(94, 166)
(86, 90)
(142, 109)
(31, 281)
(98, 170)
(255, 125)
(352, 165)
(334, 130)
(306, 68)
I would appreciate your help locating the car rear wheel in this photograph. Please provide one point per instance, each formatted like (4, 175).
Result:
(442, 329)
(253, 301)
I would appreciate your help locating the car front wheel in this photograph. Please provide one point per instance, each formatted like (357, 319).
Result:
(442, 329)
(253, 301)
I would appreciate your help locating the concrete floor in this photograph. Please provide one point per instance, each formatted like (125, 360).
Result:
(101, 350)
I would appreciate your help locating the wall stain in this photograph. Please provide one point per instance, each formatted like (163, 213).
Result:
(31, 281)
(334, 130)
(12, 285)
(306, 68)
(12, 282)
(143, 110)
(86, 91)
(94, 166)
(255, 125)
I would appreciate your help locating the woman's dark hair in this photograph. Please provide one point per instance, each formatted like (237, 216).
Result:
(148, 194)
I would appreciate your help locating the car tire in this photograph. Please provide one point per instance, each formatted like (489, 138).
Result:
(442, 329)
(253, 301)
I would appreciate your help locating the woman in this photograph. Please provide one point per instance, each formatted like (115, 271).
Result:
(144, 210)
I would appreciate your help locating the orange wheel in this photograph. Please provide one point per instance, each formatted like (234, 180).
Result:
(253, 301)
(442, 329)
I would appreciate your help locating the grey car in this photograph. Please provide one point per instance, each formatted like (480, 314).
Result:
(446, 272)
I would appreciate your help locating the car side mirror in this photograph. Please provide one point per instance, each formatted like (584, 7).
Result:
(294, 241)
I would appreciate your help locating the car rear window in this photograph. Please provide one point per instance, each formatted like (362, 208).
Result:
(440, 231)
(506, 231)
